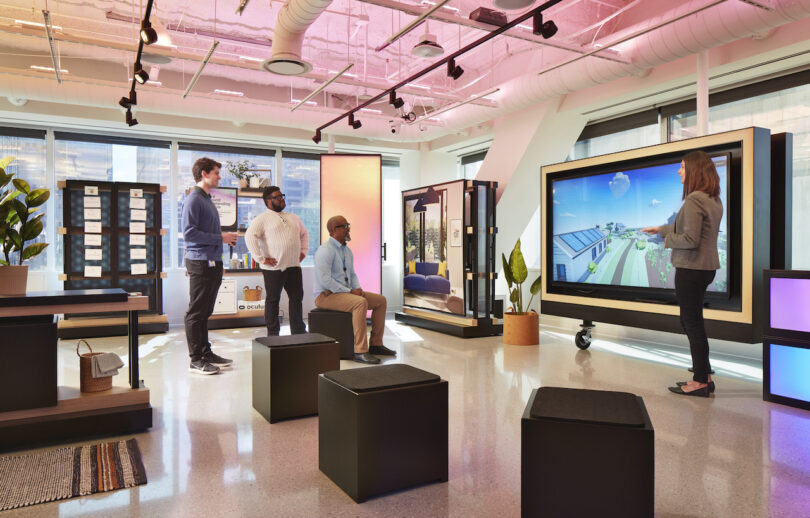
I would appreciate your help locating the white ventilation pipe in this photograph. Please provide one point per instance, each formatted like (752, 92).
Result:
(718, 25)
(292, 23)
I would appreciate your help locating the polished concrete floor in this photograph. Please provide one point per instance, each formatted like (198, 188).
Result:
(210, 454)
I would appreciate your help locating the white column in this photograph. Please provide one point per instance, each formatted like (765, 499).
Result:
(702, 93)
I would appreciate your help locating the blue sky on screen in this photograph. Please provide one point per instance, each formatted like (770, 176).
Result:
(636, 198)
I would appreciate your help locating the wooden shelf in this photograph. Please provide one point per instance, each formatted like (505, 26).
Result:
(107, 276)
(239, 314)
(73, 323)
(140, 303)
(440, 317)
(71, 401)
(241, 272)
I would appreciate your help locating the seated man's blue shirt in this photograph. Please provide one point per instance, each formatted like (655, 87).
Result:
(334, 268)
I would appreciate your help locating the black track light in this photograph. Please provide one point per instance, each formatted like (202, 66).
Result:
(130, 120)
(539, 28)
(125, 102)
(148, 34)
(140, 74)
(397, 102)
(317, 138)
(454, 70)
(356, 124)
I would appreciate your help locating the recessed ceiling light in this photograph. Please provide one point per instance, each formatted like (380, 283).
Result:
(229, 92)
(370, 110)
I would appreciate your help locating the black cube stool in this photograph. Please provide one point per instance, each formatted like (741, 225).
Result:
(382, 428)
(285, 373)
(338, 325)
(586, 453)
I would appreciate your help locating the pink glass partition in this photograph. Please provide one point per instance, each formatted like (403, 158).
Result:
(351, 186)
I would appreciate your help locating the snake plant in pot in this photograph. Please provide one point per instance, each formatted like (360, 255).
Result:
(19, 224)
(519, 327)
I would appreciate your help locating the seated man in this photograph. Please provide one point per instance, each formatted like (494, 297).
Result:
(337, 288)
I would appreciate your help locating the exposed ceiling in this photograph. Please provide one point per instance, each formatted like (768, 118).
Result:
(96, 42)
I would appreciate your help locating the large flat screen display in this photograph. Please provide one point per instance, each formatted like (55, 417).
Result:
(596, 222)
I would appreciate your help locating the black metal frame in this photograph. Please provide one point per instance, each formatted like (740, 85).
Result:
(767, 330)
(767, 341)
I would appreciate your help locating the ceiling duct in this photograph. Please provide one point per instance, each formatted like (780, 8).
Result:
(292, 23)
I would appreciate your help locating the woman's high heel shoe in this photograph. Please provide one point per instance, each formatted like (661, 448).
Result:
(682, 383)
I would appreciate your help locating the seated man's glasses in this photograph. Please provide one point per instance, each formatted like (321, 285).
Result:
(280, 196)
(347, 226)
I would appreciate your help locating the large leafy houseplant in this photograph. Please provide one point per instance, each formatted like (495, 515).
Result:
(515, 272)
(18, 222)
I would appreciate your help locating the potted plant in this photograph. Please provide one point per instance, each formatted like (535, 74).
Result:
(18, 225)
(519, 327)
(242, 171)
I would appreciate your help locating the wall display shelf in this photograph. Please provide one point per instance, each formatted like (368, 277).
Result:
(112, 239)
(35, 409)
(449, 258)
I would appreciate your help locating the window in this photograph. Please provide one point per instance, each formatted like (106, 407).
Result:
(259, 159)
(470, 164)
(28, 149)
(637, 130)
(112, 159)
(301, 183)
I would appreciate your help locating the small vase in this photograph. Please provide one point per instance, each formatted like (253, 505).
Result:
(255, 182)
(13, 279)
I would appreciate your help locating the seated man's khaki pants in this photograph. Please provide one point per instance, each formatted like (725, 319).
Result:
(359, 306)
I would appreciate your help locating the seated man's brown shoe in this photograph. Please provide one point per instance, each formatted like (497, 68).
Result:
(381, 350)
(366, 358)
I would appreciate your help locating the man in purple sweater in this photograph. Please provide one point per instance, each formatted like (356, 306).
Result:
(203, 237)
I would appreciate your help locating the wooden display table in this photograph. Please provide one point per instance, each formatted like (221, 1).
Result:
(35, 409)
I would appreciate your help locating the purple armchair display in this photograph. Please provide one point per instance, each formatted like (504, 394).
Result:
(426, 279)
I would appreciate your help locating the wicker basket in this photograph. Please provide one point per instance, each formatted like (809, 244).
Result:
(252, 294)
(87, 382)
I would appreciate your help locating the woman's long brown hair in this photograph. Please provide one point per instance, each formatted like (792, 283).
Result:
(701, 175)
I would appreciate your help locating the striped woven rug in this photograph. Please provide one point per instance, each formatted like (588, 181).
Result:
(63, 473)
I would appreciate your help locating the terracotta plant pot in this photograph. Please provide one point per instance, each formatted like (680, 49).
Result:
(521, 328)
(13, 279)
(243, 183)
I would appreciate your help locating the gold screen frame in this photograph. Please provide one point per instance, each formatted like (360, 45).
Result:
(746, 137)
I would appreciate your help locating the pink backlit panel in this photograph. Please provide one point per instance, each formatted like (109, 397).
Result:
(351, 186)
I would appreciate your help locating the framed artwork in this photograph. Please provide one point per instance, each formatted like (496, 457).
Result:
(455, 232)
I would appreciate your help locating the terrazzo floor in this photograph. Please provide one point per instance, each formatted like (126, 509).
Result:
(211, 454)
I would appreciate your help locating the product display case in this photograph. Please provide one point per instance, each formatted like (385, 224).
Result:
(112, 238)
(449, 258)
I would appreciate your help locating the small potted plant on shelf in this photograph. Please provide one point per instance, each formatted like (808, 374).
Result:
(18, 225)
(243, 171)
(519, 327)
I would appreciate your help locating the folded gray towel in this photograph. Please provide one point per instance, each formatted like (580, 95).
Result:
(106, 364)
